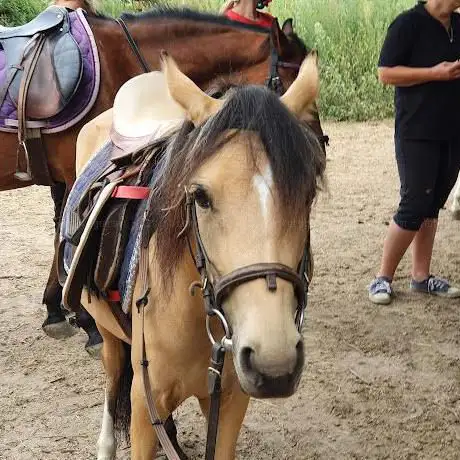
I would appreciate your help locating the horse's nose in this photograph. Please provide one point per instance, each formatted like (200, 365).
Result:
(273, 376)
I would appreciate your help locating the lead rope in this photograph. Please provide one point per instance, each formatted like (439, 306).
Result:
(155, 418)
(215, 391)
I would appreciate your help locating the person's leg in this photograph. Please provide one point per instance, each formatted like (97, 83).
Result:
(417, 166)
(396, 242)
(422, 249)
(423, 243)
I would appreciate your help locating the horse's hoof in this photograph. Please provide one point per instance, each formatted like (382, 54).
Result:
(58, 329)
(94, 344)
(456, 214)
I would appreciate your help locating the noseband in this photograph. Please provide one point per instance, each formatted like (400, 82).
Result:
(217, 291)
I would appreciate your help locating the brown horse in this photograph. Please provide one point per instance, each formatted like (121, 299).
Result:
(207, 48)
(250, 171)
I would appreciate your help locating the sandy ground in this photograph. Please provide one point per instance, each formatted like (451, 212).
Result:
(381, 383)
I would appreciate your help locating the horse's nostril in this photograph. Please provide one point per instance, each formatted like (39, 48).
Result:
(247, 356)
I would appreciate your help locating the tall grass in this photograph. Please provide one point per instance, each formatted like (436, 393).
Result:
(347, 33)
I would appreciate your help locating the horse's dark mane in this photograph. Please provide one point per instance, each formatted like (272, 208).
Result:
(186, 14)
(164, 11)
(293, 151)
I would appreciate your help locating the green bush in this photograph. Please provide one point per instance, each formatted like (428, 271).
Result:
(347, 34)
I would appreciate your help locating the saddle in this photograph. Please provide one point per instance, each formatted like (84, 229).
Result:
(105, 209)
(44, 69)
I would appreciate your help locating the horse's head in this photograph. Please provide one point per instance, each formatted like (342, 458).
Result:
(252, 171)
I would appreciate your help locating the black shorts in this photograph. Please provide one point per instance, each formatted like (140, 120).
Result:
(428, 171)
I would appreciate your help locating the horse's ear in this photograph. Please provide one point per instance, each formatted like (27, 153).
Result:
(304, 90)
(288, 27)
(197, 104)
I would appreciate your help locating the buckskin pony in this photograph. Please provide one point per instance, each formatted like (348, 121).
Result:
(207, 47)
(229, 204)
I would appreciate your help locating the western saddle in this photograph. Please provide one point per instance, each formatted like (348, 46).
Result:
(106, 197)
(44, 69)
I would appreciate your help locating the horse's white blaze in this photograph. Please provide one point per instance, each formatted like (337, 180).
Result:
(106, 444)
(263, 184)
(456, 200)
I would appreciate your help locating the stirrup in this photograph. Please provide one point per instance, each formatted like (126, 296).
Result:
(23, 176)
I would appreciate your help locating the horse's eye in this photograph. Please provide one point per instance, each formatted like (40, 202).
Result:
(202, 199)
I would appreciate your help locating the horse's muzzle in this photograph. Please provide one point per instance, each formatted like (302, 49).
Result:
(278, 382)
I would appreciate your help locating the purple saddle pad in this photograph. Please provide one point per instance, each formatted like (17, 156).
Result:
(85, 95)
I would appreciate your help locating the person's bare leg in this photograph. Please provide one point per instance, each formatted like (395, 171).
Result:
(395, 246)
(422, 250)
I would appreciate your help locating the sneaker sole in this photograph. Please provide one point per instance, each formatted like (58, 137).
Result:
(445, 295)
(380, 299)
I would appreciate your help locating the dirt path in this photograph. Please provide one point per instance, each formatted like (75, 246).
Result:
(381, 383)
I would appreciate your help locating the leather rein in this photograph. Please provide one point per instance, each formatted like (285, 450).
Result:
(214, 293)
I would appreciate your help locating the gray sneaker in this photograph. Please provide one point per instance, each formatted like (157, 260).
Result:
(435, 286)
(380, 291)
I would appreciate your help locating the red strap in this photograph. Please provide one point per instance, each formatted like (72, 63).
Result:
(113, 296)
(131, 192)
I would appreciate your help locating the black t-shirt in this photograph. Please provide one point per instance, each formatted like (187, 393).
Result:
(429, 110)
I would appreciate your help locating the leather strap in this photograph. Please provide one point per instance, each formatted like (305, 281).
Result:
(30, 140)
(155, 418)
(215, 390)
(123, 320)
(131, 192)
(269, 271)
(113, 296)
(36, 158)
(135, 49)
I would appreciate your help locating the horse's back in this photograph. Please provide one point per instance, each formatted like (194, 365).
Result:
(91, 138)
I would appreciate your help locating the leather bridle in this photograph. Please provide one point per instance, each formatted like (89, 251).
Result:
(216, 291)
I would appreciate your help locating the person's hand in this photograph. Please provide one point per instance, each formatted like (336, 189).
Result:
(446, 71)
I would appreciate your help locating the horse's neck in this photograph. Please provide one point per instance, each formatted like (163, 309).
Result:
(173, 298)
(205, 52)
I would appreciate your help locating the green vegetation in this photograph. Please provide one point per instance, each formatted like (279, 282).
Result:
(347, 33)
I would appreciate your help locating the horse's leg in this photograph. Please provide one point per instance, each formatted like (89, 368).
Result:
(455, 208)
(113, 358)
(233, 408)
(94, 344)
(55, 324)
(144, 441)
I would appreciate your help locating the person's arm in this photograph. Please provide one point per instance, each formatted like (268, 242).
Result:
(409, 76)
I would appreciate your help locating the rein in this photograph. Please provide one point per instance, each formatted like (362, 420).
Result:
(215, 293)
(133, 45)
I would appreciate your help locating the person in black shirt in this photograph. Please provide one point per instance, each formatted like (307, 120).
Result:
(420, 57)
